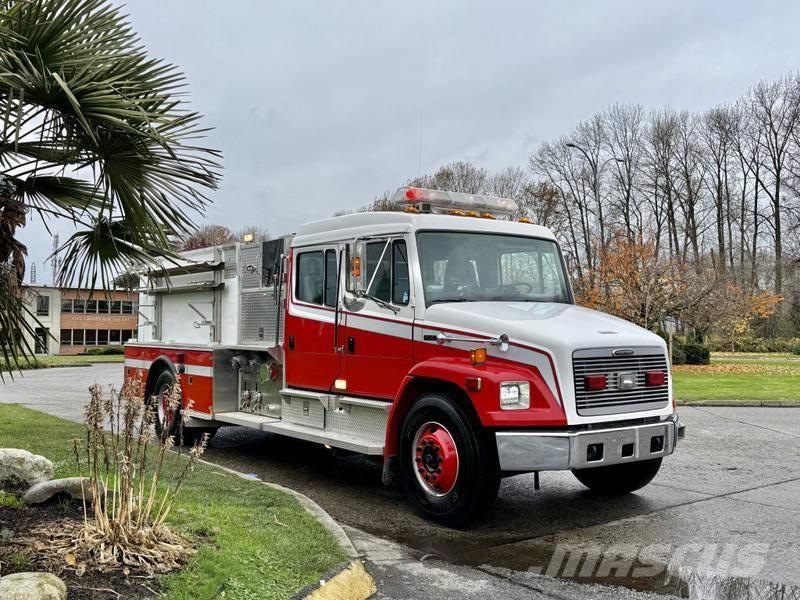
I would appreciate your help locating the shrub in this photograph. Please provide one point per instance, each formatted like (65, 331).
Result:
(696, 354)
(678, 355)
(105, 350)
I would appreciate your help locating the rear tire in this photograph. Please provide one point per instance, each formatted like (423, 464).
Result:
(448, 465)
(169, 424)
(618, 480)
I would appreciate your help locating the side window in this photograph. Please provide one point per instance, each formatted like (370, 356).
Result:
(400, 286)
(310, 274)
(331, 278)
(380, 261)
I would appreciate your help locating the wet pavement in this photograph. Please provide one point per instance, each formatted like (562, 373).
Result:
(728, 501)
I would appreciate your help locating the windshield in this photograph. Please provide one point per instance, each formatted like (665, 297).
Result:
(474, 267)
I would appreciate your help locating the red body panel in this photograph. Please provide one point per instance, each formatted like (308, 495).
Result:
(196, 381)
(379, 363)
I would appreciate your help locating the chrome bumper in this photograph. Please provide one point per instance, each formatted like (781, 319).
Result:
(553, 450)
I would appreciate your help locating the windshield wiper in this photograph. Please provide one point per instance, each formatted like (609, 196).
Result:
(440, 300)
(379, 302)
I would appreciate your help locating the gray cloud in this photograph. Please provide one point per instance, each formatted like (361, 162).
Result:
(317, 105)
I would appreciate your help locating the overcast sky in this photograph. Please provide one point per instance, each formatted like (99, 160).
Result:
(316, 105)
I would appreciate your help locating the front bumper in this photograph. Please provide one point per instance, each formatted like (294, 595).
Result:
(555, 450)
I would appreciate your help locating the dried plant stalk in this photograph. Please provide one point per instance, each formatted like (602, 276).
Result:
(125, 526)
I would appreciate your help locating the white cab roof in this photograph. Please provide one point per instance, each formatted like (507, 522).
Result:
(364, 224)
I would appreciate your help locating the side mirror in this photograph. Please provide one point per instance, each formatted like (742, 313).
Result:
(352, 301)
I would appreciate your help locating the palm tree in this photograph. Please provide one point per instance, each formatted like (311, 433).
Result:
(94, 131)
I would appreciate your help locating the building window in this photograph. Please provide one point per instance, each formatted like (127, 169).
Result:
(90, 337)
(66, 306)
(102, 337)
(78, 305)
(66, 337)
(116, 307)
(127, 335)
(310, 274)
(114, 336)
(77, 337)
(127, 307)
(91, 306)
(42, 334)
(102, 307)
(42, 306)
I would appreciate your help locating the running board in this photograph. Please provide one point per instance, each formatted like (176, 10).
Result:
(245, 419)
(351, 427)
(336, 440)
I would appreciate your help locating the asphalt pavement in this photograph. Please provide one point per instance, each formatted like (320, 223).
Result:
(727, 501)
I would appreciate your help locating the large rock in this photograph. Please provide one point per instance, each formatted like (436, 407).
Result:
(22, 467)
(32, 586)
(70, 486)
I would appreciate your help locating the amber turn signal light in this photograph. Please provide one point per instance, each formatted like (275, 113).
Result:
(478, 355)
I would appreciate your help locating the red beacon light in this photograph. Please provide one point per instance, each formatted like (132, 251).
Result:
(446, 202)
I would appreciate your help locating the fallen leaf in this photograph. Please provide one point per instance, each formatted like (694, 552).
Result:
(70, 559)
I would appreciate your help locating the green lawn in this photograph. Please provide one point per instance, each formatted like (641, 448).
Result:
(762, 378)
(43, 362)
(260, 542)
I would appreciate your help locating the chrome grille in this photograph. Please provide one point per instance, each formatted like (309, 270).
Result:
(613, 400)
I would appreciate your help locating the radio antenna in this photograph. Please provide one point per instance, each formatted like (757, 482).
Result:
(419, 162)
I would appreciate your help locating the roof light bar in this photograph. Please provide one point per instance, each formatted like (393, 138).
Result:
(447, 202)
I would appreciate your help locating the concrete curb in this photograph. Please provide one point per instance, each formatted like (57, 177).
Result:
(742, 403)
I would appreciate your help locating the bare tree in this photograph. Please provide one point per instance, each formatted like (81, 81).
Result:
(208, 235)
(776, 109)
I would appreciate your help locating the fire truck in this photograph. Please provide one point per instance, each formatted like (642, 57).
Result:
(441, 338)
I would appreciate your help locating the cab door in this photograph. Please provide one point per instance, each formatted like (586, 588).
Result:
(313, 360)
(377, 342)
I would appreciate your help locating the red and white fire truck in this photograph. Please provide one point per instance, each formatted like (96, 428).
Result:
(442, 337)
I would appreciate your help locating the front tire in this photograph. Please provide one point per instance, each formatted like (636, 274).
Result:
(618, 480)
(448, 465)
(168, 422)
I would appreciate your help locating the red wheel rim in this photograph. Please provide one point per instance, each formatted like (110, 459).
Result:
(435, 457)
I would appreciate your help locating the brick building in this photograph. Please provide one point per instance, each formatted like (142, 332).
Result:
(71, 321)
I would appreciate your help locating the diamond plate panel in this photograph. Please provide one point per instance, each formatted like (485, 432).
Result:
(250, 260)
(229, 256)
(361, 422)
(303, 411)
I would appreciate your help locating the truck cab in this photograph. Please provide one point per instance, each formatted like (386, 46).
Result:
(442, 337)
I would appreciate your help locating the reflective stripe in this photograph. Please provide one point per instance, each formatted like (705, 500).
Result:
(200, 371)
(138, 364)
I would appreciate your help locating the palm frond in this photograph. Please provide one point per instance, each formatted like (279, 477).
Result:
(97, 131)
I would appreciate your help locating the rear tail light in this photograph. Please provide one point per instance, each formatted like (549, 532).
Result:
(594, 382)
(655, 378)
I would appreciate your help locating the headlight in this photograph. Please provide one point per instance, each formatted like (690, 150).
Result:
(515, 395)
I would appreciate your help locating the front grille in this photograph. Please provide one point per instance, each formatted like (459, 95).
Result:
(613, 400)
